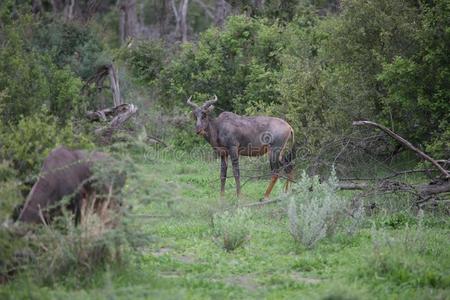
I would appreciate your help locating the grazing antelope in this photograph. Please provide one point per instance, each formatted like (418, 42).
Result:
(232, 135)
(68, 173)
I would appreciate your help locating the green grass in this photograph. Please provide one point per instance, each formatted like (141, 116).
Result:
(173, 202)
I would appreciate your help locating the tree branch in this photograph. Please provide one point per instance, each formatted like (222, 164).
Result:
(406, 143)
(205, 8)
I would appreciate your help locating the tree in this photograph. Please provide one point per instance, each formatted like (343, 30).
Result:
(128, 23)
(180, 13)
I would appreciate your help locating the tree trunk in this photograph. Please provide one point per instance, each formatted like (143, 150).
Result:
(183, 20)
(57, 5)
(36, 6)
(115, 89)
(219, 18)
(128, 23)
(259, 4)
(162, 17)
(69, 10)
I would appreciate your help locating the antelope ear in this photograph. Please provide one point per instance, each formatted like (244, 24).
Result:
(210, 108)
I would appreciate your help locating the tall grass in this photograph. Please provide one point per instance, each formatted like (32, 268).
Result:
(232, 229)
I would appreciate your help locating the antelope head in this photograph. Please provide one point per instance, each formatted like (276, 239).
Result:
(201, 114)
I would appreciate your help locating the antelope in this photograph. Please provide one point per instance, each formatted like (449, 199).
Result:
(68, 173)
(232, 135)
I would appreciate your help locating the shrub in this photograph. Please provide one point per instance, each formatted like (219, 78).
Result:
(239, 64)
(146, 59)
(31, 140)
(51, 252)
(316, 211)
(232, 229)
(30, 79)
(78, 249)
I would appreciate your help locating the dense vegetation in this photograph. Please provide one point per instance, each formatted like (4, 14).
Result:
(317, 64)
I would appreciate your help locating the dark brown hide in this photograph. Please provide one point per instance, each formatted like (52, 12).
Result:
(65, 173)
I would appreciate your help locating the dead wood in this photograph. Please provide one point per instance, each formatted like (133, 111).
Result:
(99, 78)
(115, 116)
(406, 143)
(423, 192)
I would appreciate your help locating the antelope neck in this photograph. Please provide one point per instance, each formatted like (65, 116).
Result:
(211, 132)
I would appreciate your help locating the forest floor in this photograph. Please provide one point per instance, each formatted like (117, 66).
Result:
(390, 258)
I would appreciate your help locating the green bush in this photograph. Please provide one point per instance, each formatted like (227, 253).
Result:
(232, 229)
(146, 59)
(418, 85)
(239, 64)
(31, 140)
(316, 211)
(69, 44)
(11, 197)
(30, 79)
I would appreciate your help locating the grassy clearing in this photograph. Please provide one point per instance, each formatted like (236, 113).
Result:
(395, 256)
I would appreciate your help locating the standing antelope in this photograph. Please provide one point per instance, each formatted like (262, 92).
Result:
(232, 135)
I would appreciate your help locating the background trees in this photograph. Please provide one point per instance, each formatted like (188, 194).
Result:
(318, 64)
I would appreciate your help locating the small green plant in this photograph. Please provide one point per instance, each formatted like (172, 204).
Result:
(316, 211)
(32, 139)
(232, 229)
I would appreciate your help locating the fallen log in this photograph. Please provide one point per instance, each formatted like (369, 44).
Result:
(116, 116)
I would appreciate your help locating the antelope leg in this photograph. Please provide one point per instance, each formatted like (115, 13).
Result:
(273, 180)
(234, 155)
(223, 173)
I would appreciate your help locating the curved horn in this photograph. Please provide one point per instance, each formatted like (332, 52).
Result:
(210, 102)
(192, 104)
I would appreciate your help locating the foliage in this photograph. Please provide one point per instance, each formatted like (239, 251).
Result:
(11, 197)
(418, 85)
(146, 60)
(316, 211)
(32, 139)
(30, 79)
(232, 229)
(70, 43)
(238, 64)
(79, 249)
(52, 251)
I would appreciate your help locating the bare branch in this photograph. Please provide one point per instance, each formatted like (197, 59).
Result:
(119, 114)
(406, 143)
(206, 8)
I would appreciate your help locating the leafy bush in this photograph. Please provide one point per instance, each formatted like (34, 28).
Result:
(51, 252)
(238, 64)
(146, 60)
(11, 197)
(316, 211)
(78, 249)
(70, 43)
(232, 229)
(32, 139)
(418, 85)
(30, 79)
